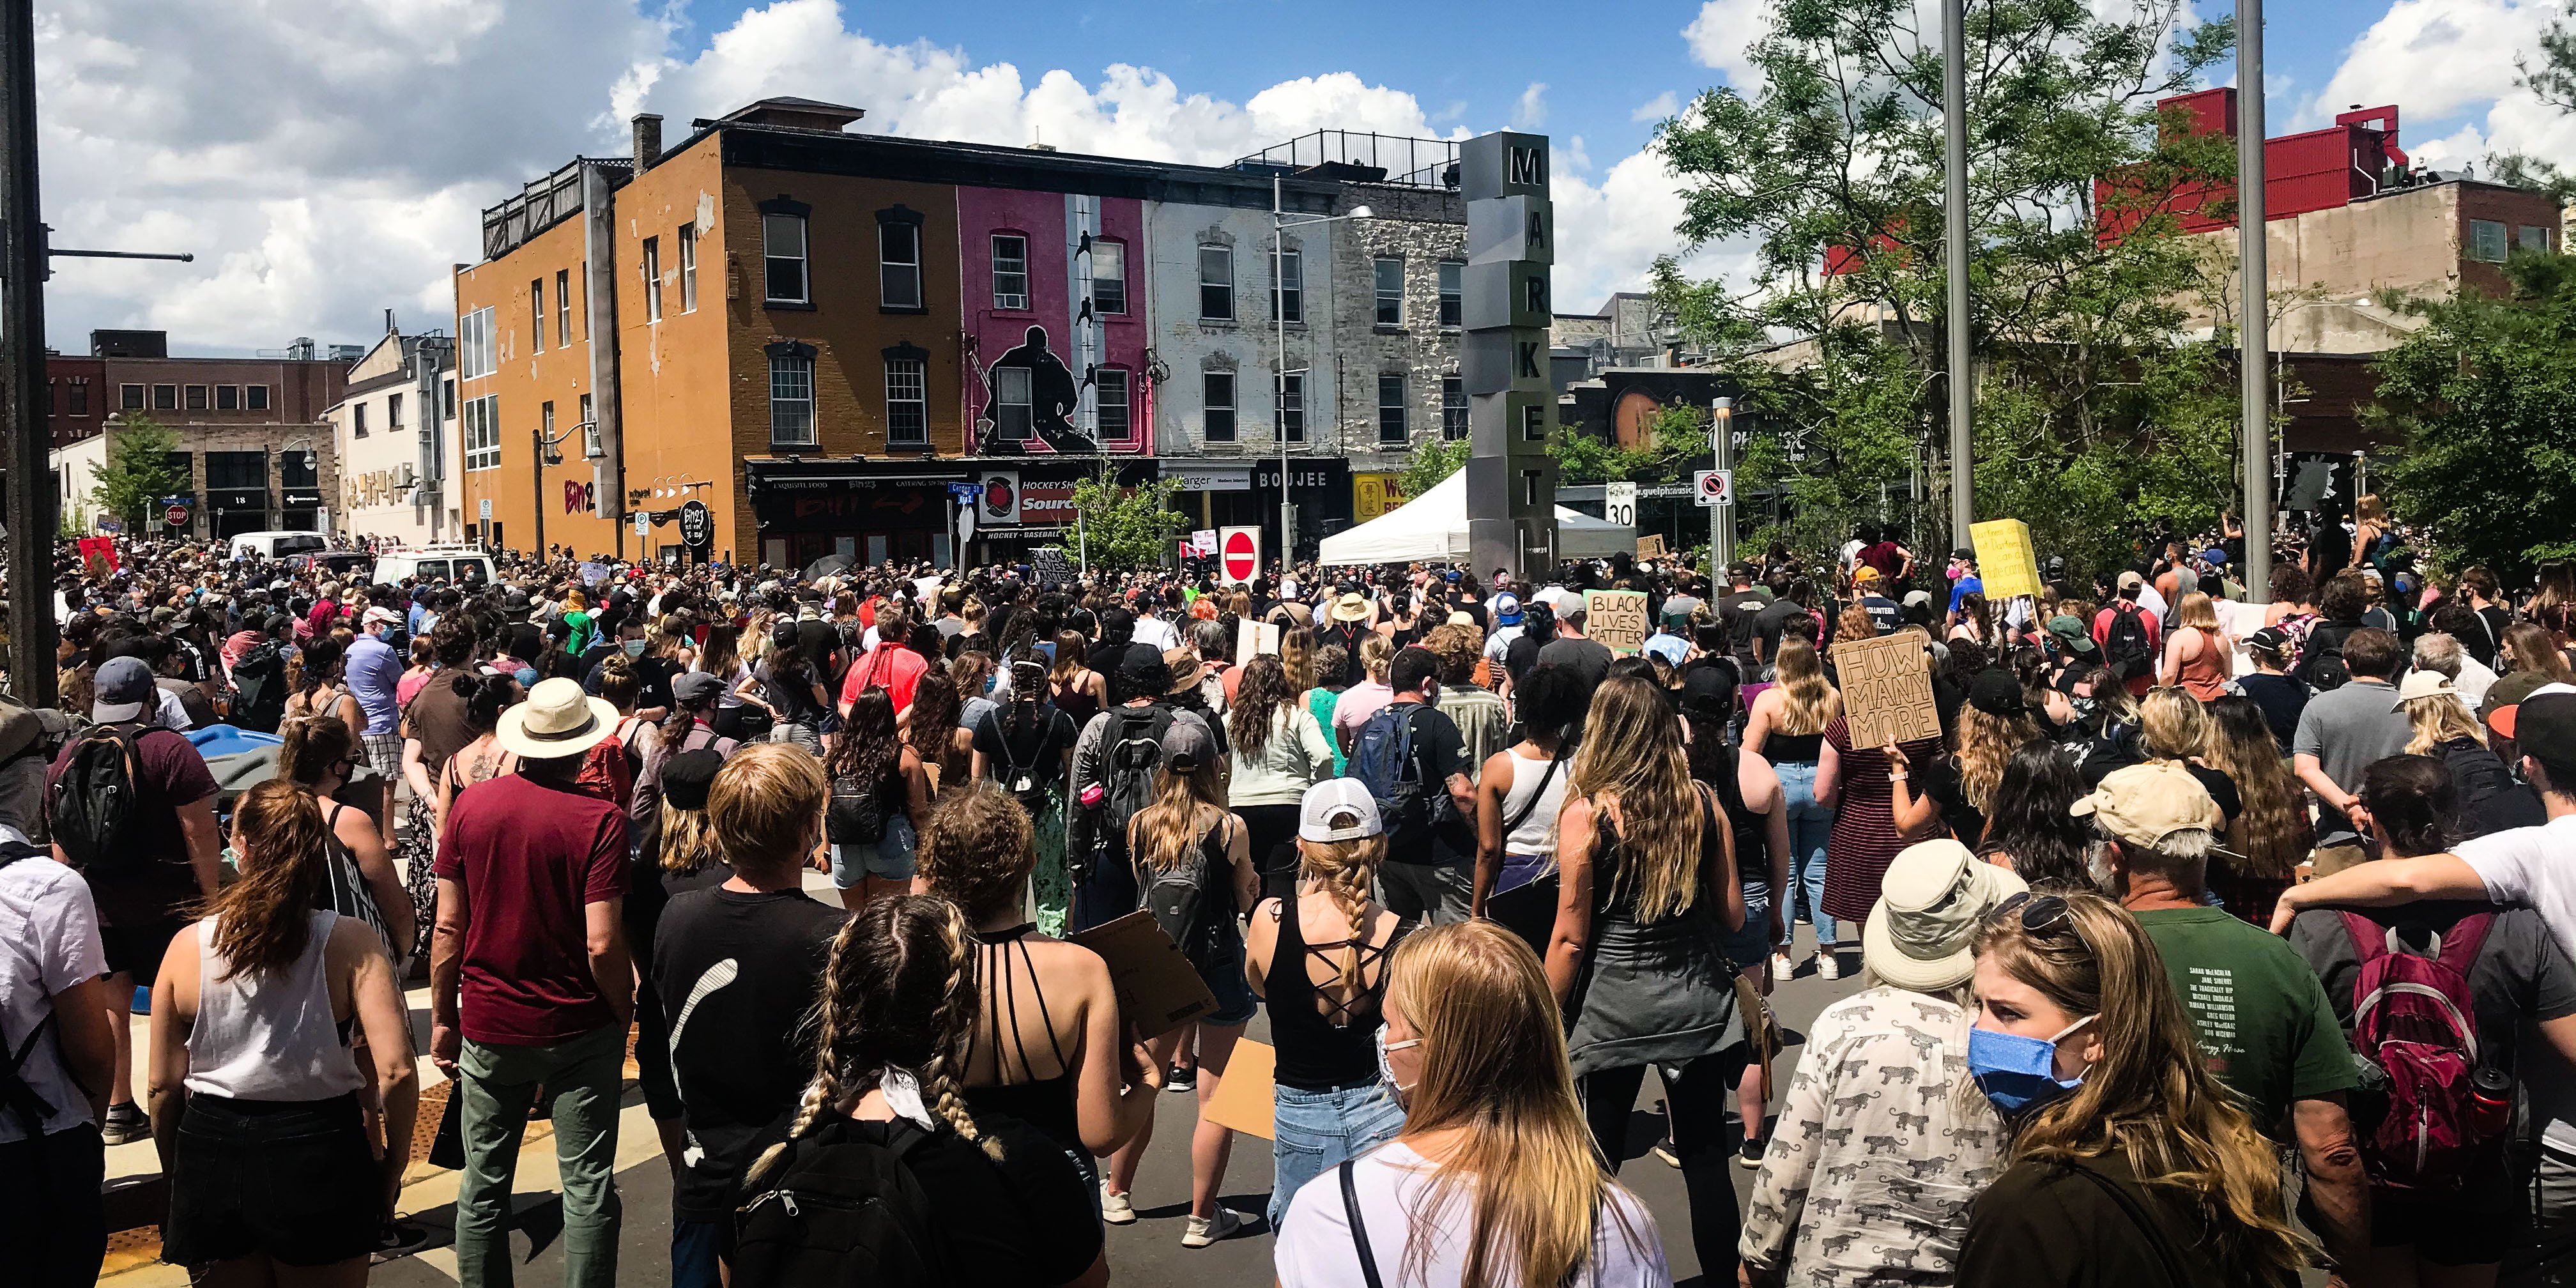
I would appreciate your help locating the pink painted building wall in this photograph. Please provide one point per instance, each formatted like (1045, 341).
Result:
(1049, 377)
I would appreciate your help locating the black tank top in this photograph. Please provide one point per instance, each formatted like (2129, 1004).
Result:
(1043, 1103)
(1316, 1050)
(1752, 837)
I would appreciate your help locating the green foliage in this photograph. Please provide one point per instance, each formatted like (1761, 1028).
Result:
(1129, 527)
(2485, 397)
(1673, 434)
(1434, 459)
(138, 472)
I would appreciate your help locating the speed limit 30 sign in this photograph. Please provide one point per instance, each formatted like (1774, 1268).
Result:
(1713, 487)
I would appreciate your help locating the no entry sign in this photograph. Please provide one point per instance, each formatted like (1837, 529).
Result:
(1238, 554)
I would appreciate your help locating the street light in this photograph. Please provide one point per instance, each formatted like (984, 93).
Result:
(1280, 223)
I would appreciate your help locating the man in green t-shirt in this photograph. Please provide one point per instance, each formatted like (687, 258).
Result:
(2265, 1026)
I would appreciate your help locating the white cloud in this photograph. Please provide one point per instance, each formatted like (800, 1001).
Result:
(1609, 233)
(1722, 37)
(1657, 108)
(2448, 63)
(1530, 112)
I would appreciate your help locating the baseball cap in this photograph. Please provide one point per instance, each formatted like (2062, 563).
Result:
(1864, 575)
(1918, 599)
(2144, 804)
(380, 614)
(1507, 609)
(688, 775)
(1934, 898)
(2545, 726)
(696, 686)
(122, 690)
(1997, 692)
(2270, 639)
(1187, 746)
(1338, 809)
(2131, 578)
(2421, 684)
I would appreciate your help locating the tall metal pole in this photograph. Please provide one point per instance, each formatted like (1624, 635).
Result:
(23, 404)
(1721, 528)
(1954, 110)
(1279, 384)
(2253, 340)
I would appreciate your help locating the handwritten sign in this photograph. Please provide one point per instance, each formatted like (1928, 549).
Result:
(1254, 639)
(1887, 689)
(1203, 542)
(1049, 566)
(1616, 619)
(2004, 561)
(1158, 989)
(1650, 547)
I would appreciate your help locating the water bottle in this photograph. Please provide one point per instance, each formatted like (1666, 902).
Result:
(2490, 1102)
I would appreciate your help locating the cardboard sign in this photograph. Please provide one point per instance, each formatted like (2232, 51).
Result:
(1245, 1098)
(1616, 619)
(1203, 542)
(1650, 547)
(1887, 689)
(1254, 639)
(2004, 561)
(100, 551)
(1049, 567)
(1158, 989)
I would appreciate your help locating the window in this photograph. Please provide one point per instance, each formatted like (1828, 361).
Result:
(1217, 388)
(165, 397)
(1216, 283)
(537, 314)
(1010, 271)
(1453, 293)
(357, 420)
(481, 429)
(791, 398)
(197, 398)
(447, 399)
(1011, 415)
(2532, 237)
(1390, 292)
(1453, 408)
(129, 397)
(563, 307)
(1109, 395)
(1288, 301)
(298, 470)
(899, 264)
(236, 471)
(2486, 241)
(393, 412)
(228, 398)
(688, 268)
(475, 357)
(590, 431)
(652, 279)
(546, 432)
(1390, 410)
(783, 259)
(1292, 406)
(907, 401)
(79, 395)
(1534, 424)
(254, 398)
(1108, 277)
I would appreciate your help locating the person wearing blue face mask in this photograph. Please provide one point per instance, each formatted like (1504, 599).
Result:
(2128, 1165)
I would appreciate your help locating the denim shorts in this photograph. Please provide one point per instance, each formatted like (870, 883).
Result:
(1751, 946)
(1223, 974)
(890, 859)
(294, 1181)
(1318, 1131)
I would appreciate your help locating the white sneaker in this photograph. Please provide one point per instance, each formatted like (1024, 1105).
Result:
(1829, 965)
(1782, 967)
(1116, 1208)
(1200, 1231)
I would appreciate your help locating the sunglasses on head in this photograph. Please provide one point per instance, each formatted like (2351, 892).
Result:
(2038, 912)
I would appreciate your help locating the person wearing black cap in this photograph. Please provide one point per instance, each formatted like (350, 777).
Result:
(2271, 687)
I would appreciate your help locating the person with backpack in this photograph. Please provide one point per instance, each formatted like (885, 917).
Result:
(132, 808)
(1026, 746)
(1194, 873)
(2265, 1026)
(887, 1178)
(2342, 733)
(1114, 767)
(58, 1038)
(259, 678)
(2450, 1057)
(2129, 636)
(1412, 758)
(880, 797)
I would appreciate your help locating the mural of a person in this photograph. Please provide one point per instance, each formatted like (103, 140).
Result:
(1052, 392)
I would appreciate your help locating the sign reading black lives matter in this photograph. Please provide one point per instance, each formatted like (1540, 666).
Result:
(1049, 567)
(697, 526)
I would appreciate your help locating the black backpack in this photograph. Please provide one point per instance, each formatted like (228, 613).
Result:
(842, 1211)
(259, 688)
(856, 814)
(1135, 752)
(2125, 648)
(1382, 760)
(2321, 663)
(1178, 898)
(97, 802)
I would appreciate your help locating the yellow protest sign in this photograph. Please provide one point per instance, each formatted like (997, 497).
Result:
(1616, 619)
(2004, 561)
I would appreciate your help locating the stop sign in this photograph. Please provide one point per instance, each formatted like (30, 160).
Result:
(1239, 553)
(175, 516)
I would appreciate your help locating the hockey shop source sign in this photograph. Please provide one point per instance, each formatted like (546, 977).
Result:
(1887, 689)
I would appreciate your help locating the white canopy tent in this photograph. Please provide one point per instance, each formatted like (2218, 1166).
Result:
(1434, 526)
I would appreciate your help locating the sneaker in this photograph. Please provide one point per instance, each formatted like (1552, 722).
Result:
(125, 1123)
(1116, 1208)
(1783, 966)
(1829, 965)
(1750, 1155)
(1200, 1231)
(400, 1239)
(1181, 1077)
(1664, 1151)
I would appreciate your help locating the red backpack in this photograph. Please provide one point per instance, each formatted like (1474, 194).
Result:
(2412, 1016)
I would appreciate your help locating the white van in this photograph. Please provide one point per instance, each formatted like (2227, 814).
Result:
(277, 545)
(460, 566)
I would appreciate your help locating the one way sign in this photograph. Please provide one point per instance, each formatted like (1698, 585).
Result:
(1714, 487)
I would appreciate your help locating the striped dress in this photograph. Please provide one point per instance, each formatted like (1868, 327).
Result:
(1864, 839)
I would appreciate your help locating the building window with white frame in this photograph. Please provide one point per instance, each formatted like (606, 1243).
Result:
(907, 384)
(254, 398)
(129, 397)
(782, 257)
(1216, 283)
(165, 397)
(688, 268)
(537, 314)
(2532, 237)
(1010, 271)
(228, 398)
(2486, 241)
(1108, 277)
(1389, 274)
(1109, 398)
(1288, 300)
(475, 357)
(1292, 406)
(1013, 420)
(1217, 390)
(1453, 408)
(590, 445)
(479, 426)
(563, 308)
(652, 279)
(791, 396)
(197, 398)
(899, 285)
(1453, 294)
(1390, 410)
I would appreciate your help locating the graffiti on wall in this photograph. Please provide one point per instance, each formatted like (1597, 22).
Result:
(577, 496)
(376, 487)
(1030, 398)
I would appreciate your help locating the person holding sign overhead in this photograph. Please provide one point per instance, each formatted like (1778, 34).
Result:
(1888, 728)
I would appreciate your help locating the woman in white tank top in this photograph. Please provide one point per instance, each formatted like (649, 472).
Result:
(1519, 793)
(255, 1087)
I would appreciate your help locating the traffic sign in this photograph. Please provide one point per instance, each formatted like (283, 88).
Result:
(486, 508)
(175, 516)
(643, 524)
(1238, 554)
(1714, 487)
(1619, 504)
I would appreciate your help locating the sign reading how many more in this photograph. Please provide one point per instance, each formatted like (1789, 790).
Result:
(1615, 619)
(1887, 689)
(2004, 561)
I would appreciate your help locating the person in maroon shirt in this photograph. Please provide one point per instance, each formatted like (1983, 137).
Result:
(530, 982)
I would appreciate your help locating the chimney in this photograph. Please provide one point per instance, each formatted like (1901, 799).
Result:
(648, 140)
(389, 322)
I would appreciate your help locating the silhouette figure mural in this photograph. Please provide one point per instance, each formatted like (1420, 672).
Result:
(1031, 394)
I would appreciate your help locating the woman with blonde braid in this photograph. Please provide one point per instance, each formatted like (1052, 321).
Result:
(2126, 1165)
(892, 1033)
(1325, 993)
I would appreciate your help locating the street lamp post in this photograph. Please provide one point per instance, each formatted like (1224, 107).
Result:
(1280, 223)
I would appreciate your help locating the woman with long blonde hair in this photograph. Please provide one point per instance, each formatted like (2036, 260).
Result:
(1297, 657)
(1647, 893)
(2490, 798)
(2123, 1147)
(2196, 651)
(2271, 834)
(1194, 869)
(1786, 726)
(2174, 726)
(1495, 1182)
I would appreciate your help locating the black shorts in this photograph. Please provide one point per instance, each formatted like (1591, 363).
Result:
(137, 950)
(294, 1181)
(2470, 1226)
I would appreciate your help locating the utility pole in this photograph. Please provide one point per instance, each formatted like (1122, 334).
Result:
(23, 404)
(1721, 516)
(2254, 337)
(1954, 110)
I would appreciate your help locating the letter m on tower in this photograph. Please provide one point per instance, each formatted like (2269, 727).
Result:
(1529, 167)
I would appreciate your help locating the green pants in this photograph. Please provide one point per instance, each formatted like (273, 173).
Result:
(499, 1083)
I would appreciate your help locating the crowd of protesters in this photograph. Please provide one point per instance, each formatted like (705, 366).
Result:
(1480, 870)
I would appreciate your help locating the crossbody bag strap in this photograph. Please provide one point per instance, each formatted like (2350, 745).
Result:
(2147, 1226)
(1359, 1227)
(1530, 806)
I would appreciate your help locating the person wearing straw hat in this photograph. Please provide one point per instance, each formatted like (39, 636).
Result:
(530, 981)
(1873, 1161)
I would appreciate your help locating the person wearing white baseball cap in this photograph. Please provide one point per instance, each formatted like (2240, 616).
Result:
(374, 670)
(1319, 957)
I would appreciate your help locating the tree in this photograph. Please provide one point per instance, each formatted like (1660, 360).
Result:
(1669, 436)
(1434, 459)
(138, 472)
(1129, 527)
(1836, 160)
(2484, 396)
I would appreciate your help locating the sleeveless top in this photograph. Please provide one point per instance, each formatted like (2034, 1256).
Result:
(1660, 992)
(1532, 777)
(272, 1036)
(1042, 1103)
(1752, 837)
(1794, 748)
(1077, 703)
(348, 893)
(1324, 1044)
(2205, 676)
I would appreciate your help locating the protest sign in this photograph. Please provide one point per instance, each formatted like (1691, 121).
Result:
(1254, 639)
(1158, 989)
(2004, 561)
(1650, 547)
(1049, 567)
(1616, 619)
(1244, 1100)
(1887, 689)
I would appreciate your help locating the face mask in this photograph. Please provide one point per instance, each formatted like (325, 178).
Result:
(2083, 707)
(2019, 1074)
(1953, 574)
(1386, 1069)
(634, 648)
